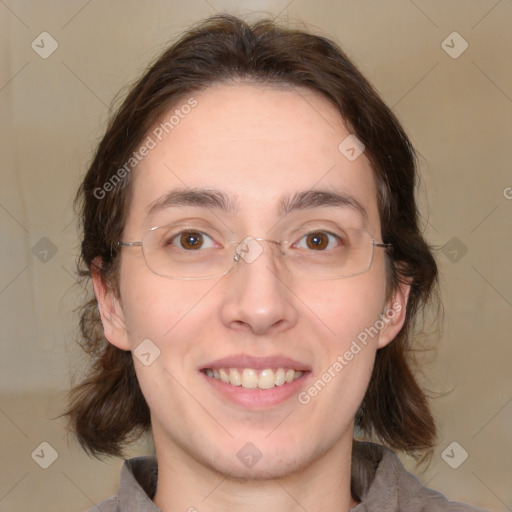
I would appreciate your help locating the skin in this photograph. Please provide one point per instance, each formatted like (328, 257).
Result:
(255, 143)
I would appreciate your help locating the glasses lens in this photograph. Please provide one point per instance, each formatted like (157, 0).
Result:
(181, 252)
(349, 253)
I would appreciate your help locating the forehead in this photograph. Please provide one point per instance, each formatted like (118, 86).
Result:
(255, 143)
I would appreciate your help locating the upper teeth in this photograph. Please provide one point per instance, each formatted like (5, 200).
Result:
(250, 378)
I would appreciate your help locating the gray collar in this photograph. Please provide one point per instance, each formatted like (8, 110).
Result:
(379, 481)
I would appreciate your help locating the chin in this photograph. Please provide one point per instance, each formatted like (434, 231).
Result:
(262, 470)
(251, 464)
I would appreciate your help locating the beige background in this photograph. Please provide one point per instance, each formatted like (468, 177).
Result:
(457, 111)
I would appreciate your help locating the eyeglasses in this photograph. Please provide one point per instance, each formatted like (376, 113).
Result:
(182, 251)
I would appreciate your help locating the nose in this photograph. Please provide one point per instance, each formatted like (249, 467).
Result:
(258, 296)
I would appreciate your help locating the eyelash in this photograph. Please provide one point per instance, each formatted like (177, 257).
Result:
(179, 235)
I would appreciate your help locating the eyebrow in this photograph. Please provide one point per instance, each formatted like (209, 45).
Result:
(217, 200)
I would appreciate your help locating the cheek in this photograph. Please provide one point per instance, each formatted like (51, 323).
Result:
(346, 307)
(144, 313)
(154, 306)
(161, 320)
(348, 352)
(354, 310)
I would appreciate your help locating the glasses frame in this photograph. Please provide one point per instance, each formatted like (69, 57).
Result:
(237, 255)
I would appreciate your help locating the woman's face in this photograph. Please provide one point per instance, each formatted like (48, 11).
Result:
(261, 148)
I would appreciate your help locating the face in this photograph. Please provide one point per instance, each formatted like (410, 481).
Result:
(260, 148)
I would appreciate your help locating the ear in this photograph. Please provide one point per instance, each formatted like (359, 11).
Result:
(112, 318)
(394, 314)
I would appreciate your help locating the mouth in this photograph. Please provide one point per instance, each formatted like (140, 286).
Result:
(256, 383)
(250, 378)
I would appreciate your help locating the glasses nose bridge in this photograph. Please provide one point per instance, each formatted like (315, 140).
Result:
(251, 248)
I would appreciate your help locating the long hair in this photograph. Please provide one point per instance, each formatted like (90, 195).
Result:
(107, 410)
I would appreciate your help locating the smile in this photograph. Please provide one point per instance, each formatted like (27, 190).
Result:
(250, 378)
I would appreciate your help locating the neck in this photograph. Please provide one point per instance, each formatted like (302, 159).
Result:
(321, 485)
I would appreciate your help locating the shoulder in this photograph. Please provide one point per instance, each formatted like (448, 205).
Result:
(385, 485)
(137, 484)
(109, 505)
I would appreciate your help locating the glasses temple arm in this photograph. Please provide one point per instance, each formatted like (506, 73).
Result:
(129, 244)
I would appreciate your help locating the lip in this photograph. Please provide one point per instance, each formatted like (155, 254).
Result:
(256, 399)
(256, 363)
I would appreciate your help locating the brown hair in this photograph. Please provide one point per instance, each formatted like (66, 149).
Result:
(107, 409)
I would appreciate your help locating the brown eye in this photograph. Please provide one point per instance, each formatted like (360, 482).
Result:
(317, 240)
(191, 240)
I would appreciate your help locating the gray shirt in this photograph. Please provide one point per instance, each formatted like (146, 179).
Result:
(379, 482)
